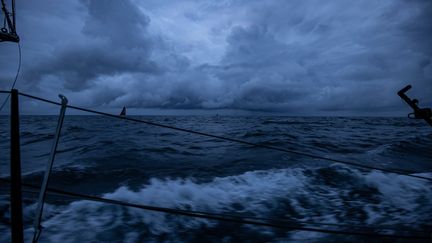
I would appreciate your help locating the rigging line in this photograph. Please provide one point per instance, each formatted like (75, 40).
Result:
(394, 171)
(16, 76)
(281, 220)
(232, 219)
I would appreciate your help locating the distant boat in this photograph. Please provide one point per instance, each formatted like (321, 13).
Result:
(123, 112)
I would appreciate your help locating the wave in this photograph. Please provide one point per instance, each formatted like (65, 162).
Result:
(418, 145)
(283, 122)
(39, 138)
(334, 194)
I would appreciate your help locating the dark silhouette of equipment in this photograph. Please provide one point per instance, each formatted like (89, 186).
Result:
(419, 113)
(8, 31)
(123, 112)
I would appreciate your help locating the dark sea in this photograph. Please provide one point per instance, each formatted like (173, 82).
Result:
(155, 166)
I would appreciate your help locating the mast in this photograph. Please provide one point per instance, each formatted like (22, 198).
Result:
(13, 16)
(8, 32)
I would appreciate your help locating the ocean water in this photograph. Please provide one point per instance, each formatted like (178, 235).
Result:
(155, 166)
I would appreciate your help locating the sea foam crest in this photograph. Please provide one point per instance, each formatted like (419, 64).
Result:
(302, 194)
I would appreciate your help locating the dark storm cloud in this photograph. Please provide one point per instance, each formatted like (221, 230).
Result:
(255, 55)
(336, 55)
(118, 21)
(115, 42)
(78, 65)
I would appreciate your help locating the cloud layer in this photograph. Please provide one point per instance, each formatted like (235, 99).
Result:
(255, 55)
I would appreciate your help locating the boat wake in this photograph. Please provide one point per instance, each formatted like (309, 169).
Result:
(329, 195)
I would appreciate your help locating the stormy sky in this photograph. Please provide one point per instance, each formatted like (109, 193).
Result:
(286, 57)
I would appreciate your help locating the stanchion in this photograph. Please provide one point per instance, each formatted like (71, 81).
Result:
(42, 193)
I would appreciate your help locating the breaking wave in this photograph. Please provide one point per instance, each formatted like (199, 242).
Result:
(335, 194)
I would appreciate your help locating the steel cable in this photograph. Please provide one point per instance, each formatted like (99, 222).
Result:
(404, 173)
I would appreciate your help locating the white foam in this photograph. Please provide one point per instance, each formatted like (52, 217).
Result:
(260, 193)
(401, 193)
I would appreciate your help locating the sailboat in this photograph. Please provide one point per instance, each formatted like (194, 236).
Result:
(123, 112)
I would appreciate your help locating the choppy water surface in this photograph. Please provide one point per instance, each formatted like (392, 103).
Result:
(155, 166)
